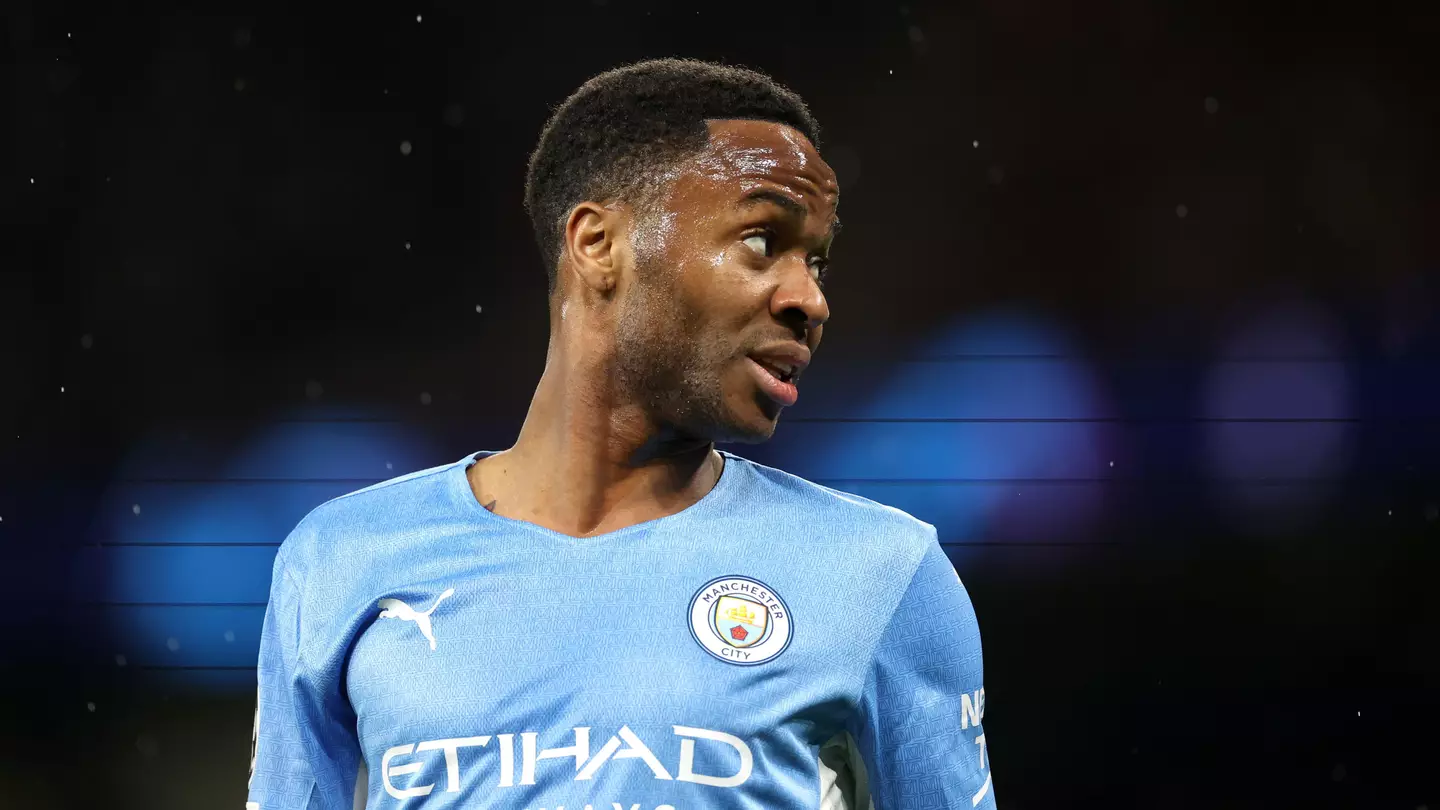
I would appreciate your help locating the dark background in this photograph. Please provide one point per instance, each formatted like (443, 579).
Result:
(1163, 272)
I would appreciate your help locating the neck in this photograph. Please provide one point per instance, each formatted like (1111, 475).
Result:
(588, 462)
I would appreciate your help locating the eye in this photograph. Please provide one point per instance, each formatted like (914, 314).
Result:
(763, 242)
(819, 265)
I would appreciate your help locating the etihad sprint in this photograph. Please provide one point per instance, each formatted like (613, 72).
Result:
(420, 756)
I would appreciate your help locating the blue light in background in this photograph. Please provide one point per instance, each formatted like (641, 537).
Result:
(191, 568)
(1278, 397)
(1006, 447)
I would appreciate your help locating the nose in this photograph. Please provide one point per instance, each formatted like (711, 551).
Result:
(798, 299)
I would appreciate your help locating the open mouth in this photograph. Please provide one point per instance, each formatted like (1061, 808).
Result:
(775, 377)
(783, 372)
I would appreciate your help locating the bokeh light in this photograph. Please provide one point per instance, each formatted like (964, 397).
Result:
(988, 430)
(1278, 405)
(185, 578)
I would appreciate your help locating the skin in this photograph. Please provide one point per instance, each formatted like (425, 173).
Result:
(651, 321)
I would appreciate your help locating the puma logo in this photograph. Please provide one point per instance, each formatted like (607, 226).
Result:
(396, 609)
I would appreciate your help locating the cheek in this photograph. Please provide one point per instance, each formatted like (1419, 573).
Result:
(652, 239)
(703, 266)
(718, 297)
(718, 258)
(709, 278)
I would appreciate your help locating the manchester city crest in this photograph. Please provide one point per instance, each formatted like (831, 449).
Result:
(740, 620)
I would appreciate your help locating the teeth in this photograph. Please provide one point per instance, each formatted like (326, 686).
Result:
(777, 368)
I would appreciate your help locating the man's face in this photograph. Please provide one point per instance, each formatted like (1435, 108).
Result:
(724, 307)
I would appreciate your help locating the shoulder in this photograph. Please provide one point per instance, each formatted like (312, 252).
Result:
(341, 527)
(895, 532)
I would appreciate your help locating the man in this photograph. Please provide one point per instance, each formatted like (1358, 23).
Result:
(612, 613)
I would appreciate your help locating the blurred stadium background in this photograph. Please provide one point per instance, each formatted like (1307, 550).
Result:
(1136, 303)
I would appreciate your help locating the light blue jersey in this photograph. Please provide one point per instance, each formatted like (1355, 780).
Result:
(776, 645)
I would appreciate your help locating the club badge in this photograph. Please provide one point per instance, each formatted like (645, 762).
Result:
(740, 620)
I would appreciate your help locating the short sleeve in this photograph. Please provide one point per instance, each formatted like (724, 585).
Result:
(304, 753)
(918, 724)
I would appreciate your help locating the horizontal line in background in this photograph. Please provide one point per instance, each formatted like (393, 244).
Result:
(1117, 479)
(1001, 420)
(1145, 480)
(1032, 543)
(369, 420)
(1096, 420)
(254, 480)
(1122, 361)
(186, 544)
(100, 603)
(162, 667)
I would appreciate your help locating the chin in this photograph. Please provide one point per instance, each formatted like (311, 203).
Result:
(736, 412)
(749, 435)
(755, 425)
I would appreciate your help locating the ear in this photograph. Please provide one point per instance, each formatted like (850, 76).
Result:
(594, 245)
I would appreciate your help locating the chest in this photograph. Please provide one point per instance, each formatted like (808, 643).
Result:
(526, 650)
(687, 676)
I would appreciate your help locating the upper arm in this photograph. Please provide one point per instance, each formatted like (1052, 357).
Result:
(919, 724)
(304, 748)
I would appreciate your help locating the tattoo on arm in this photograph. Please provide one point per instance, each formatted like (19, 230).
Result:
(490, 506)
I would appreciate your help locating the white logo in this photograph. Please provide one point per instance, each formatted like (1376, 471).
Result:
(395, 609)
(585, 766)
(740, 620)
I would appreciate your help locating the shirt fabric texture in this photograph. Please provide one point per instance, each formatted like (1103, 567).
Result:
(778, 644)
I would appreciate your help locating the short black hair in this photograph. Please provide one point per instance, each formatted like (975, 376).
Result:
(614, 136)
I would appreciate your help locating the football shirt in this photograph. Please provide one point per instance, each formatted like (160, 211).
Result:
(777, 644)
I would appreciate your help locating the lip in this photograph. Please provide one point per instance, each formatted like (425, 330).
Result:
(784, 394)
(792, 354)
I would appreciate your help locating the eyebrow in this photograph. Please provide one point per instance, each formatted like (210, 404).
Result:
(785, 201)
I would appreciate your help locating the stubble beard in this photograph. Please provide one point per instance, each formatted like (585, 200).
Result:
(665, 364)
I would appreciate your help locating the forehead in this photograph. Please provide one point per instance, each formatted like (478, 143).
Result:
(745, 155)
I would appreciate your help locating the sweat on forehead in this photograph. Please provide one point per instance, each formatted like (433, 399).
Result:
(727, 181)
(744, 154)
(757, 147)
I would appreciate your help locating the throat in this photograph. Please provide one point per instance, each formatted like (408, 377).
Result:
(606, 510)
